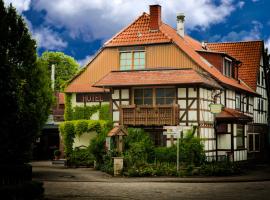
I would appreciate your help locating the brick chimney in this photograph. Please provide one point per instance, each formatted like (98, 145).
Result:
(155, 17)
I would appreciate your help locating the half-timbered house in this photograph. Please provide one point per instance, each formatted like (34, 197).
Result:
(158, 76)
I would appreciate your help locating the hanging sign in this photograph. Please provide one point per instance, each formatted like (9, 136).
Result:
(215, 108)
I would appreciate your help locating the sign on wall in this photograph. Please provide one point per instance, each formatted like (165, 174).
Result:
(215, 108)
(92, 97)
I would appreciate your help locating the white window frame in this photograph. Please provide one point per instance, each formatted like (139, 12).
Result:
(224, 67)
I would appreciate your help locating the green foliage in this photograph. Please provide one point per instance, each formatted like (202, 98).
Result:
(191, 150)
(26, 94)
(107, 162)
(65, 67)
(104, 113)
(70, 129)
(81, 127)
(166, 154)
(68, 107)
(139, 147)
(67, 130)
(97, 146)
(224, 168)
(81, 157)
(84, 112)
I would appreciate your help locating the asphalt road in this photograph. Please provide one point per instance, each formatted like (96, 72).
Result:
(145, 190)
(82, 184)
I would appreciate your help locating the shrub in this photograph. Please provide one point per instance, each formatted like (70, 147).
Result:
(97, 146)
(165, 154)
(81, 157)
(137, 154)
(224, 168)
(138, 141)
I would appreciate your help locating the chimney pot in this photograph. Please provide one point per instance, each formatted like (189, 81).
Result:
(155, 17)
(181, 24)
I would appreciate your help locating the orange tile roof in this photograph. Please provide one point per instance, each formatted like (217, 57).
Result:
(249, 53)
(156, 77)
(232, 115)
(83, 88)
(138, 33)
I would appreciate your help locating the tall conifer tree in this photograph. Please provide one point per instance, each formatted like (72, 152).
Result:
(25, 92)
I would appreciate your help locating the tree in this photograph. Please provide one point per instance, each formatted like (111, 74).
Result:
(65, 67)
(26, 94)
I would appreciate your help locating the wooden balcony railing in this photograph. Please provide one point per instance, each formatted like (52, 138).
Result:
(150, 115)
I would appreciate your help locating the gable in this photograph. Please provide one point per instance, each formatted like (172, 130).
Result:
(103, 63)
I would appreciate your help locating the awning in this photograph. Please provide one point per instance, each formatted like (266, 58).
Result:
(156, 77)
(231, 115)
(118, 130)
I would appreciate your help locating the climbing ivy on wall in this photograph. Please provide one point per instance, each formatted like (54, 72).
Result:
(70, 129)
(68, 107)
(84, 112)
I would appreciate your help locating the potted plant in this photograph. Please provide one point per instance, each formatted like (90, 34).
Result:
(57, 154)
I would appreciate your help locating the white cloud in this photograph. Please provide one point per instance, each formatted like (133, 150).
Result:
(85, 60)
(45, 37)
(48, 39)
(99, 19)
(20, 5)
(241, 4)
(253, 34)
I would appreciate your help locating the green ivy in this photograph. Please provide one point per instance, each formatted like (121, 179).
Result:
(104, 113)
(68, 107)
(84, 112)
(67, 129)
(70, 129)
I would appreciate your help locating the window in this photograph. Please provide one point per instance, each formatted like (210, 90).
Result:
(240, 137)
(259, 78)
(157, 96)
(237, 101)
(165, 96)
(143, 96)
(139, 60)
(260, 105)
(247, 105)
(254, 142)
(132, 60)
(262, 78)
(227, 67)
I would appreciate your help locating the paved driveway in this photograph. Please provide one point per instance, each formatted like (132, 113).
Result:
(84, 183)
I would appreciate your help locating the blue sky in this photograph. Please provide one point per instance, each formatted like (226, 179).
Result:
(80, 27)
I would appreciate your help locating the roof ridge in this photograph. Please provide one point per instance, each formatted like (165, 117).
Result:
(125, 28)
(235, 42)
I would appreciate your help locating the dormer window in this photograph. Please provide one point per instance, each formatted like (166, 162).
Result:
(132, 60)
(227, 67)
